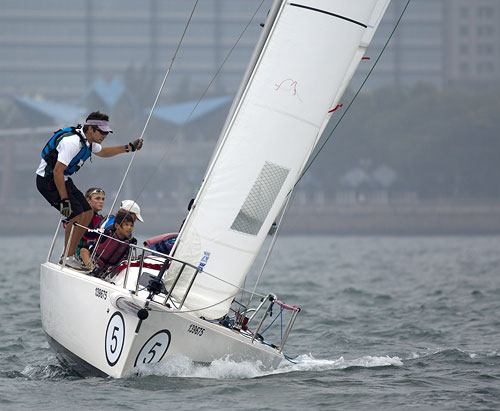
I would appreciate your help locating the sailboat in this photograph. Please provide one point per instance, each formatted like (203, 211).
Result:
(159, 306)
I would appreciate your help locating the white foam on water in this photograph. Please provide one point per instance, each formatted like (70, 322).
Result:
(180, 366)
(433, 351)
(309, 363)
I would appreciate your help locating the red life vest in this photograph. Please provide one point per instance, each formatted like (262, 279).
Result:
(110, 251)
(94, 223)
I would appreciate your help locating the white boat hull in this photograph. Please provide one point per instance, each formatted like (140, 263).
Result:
(88, 330)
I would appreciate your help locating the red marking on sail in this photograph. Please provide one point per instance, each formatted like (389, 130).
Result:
(338, 106)
(290, 83)
(365, 58)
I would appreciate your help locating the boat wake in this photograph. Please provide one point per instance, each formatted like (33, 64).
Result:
(180, 366)
(183, 367)
(307, 362)
(453, 352)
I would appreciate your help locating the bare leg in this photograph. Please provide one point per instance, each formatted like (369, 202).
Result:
(78, 232)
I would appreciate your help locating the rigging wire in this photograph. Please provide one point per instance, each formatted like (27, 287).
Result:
(154, 105)
(177, 311)
(292, 191)
(147, 121)
(147, 180)
(160, 161)
(224, 61)
(355, 95)
(271, 247)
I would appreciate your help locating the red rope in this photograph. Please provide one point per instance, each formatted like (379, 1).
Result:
(137, 264)
(286, 306)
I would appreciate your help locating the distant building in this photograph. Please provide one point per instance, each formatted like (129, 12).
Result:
(414, 53)
(472, 39)
(59, 48)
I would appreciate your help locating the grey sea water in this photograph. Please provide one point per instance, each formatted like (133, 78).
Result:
(388, 323)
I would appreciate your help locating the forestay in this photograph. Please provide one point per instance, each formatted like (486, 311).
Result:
(307, 54)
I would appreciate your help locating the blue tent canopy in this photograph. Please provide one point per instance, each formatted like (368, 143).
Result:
(110, 93)
(60, 113)
(178, 113)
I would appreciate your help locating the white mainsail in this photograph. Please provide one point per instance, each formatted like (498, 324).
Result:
(303, 63)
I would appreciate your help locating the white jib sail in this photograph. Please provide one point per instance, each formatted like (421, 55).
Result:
(299, 72)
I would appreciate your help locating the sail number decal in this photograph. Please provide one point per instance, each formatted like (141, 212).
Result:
(99, 292)
(154, 349)
(115, 337)
(194, 329)
(203, 261)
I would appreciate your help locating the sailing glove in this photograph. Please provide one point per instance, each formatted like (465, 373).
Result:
(136, 145)
(65, 207)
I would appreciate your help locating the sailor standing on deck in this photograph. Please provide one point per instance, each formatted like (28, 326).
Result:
(62, 156)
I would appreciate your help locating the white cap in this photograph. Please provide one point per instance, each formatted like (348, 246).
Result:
(133, 207)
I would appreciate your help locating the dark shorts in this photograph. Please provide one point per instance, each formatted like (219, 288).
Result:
(48, 189)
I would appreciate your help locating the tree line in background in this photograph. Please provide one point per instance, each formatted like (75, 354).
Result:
(442, 144)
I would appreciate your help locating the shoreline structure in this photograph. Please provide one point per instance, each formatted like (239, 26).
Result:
(429, 218)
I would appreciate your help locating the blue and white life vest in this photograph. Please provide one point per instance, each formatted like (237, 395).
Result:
(49, 152)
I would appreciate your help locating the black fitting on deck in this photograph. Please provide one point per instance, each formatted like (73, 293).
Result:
(154, 285)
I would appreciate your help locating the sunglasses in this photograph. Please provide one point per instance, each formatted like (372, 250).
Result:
(97, 191)
(104, 133)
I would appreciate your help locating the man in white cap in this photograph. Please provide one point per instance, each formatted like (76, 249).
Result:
(133, 208)
(62, 156)
(130, 207)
